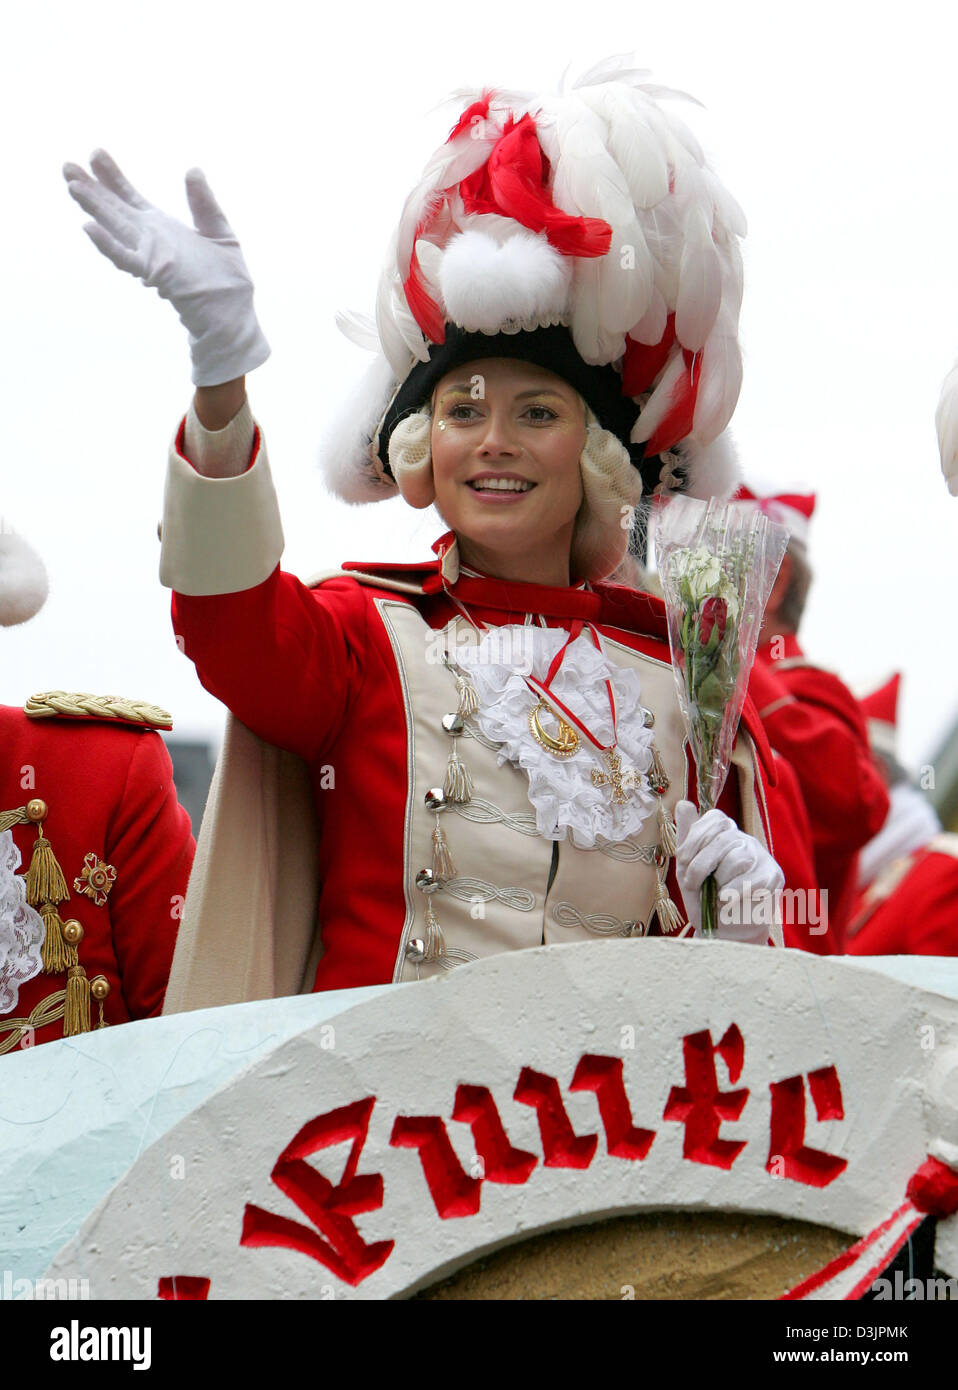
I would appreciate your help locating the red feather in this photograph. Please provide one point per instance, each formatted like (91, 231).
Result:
(676, 423)
(512, 183)
(478, 108)
(642, 364)
(423, 307)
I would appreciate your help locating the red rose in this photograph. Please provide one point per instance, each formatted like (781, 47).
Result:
(712, 618)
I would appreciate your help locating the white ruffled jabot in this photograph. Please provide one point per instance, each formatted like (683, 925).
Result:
(561, 790)
(21, 928)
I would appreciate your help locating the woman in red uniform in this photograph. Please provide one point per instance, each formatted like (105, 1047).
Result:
(490, 740)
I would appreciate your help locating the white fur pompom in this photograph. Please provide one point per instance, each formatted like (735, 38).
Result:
(23, 580)
(487, 286)
(946, 422)
(345, 454)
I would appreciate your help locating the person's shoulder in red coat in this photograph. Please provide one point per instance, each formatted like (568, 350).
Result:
(104, 849)
(912, 907)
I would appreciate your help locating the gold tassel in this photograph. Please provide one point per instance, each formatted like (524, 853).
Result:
(56, 953)
(670, 919)
(458, 784)
(666, 830)
(45, 881)
(657, 775)
(435, 942)
(468, 697)
(443, 868)
(76, 1016)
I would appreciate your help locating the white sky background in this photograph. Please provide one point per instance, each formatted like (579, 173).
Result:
(834, 124)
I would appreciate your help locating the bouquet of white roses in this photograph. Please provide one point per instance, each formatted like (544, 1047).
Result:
(716, 565)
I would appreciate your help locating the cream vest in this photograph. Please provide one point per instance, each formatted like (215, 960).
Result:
(513, 888)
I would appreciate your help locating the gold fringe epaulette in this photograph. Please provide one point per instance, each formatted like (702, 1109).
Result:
(52, 704)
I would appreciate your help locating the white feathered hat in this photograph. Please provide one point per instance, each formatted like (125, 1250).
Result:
(581, 231)
(23, 579)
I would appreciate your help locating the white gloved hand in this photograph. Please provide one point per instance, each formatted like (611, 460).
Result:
(714, 844)
(199, 269)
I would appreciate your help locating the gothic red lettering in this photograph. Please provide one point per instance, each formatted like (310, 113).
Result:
(329, 1207)
(701, 1106)
(603, 1075)
(180, 1287)
(453, 1191)
(500, 1161)
(788, 1154)
(561, 1146)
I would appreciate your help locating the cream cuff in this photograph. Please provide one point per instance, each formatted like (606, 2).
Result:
(220, 535)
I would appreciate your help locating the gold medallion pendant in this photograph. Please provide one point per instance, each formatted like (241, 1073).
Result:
(563, 743)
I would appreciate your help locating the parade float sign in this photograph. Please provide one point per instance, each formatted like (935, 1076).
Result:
(392, 1139)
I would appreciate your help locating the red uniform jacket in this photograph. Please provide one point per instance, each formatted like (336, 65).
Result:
(911, 910)
(109, 792)
(313, 671)
(814, 721)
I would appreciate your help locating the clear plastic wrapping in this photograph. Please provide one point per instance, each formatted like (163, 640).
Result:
(717, 565)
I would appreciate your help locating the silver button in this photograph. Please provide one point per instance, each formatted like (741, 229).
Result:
(435, 799)
(648, 718)
(453, 724)
(426, 881)
(416, 950)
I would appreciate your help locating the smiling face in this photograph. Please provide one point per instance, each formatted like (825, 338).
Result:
(506, 440)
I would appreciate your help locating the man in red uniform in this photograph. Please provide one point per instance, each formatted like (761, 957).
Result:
(95, 850)
(814, 721)
(908, 877)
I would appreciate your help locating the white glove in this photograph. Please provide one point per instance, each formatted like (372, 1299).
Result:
(748, 878)
(201, 272)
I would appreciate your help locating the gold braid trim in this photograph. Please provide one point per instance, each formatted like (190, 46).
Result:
(80, 704)
(11, 818)
(47, 1011)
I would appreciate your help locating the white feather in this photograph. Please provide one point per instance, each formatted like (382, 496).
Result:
(394, 345)
(713, 469)
(616, 68)
(358, 328)
(719, 385)
(651, 325)
(632, 144)
(700, 284)
(345, 457)
(680, 131)
(728, 215)
(589, 183)
(584, 306)
(662, 232)
(946, 423)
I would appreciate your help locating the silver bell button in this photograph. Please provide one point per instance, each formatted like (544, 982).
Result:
(436, 799)
(416, 950)
(453, 724)
(648, 718)
(426, 881)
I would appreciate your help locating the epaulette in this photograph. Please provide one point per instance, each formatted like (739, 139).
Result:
(62, 704)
